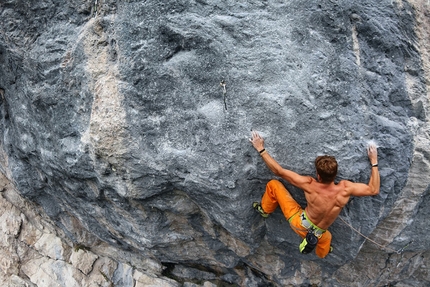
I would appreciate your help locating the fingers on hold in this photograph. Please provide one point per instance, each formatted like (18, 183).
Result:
(255, 135)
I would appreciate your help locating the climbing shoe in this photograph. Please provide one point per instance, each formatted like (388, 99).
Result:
(259, 209)
(331, 249)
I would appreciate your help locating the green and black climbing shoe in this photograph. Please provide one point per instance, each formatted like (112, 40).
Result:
(257, 206)
(331, 249)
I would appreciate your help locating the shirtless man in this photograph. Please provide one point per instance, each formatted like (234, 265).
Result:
(325, 199)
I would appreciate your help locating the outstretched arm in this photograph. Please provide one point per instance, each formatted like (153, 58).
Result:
(290, 176)
(372, 188)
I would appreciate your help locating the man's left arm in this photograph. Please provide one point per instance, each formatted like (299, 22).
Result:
(290, 176)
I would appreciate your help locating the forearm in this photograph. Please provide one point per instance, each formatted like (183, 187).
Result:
(258, 143)
(271, 163)
(374, 181)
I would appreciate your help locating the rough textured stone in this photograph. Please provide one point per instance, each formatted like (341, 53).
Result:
(143, 280)
(26, 262)
(83, 260)
(125, 125)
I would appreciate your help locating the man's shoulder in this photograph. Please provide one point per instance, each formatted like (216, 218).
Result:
(345, 182)
(349, 187)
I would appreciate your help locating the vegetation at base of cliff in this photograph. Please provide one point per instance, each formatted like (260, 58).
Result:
(79, 246)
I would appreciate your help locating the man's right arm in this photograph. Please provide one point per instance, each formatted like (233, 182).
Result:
(372, 188)
(290, 176)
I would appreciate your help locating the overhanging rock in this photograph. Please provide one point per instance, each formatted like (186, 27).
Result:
(132, 118)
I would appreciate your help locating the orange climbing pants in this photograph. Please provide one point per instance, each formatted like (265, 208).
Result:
(276, 194)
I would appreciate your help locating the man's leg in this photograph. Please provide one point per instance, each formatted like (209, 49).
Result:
(276, 194)
(323, 247)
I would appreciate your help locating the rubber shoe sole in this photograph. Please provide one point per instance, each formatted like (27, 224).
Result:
(257, 206)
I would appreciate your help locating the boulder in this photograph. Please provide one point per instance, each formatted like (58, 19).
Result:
(128, 122)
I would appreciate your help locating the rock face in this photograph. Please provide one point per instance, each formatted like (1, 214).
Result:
(125, 126)
(34, 252)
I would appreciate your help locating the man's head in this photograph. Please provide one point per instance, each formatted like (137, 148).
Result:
(326, 168)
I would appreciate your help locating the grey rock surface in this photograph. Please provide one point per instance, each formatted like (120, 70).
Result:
(130, 120)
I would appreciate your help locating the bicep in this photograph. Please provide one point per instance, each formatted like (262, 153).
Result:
(359, 189)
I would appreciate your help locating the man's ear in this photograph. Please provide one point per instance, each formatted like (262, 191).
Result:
(318, 177)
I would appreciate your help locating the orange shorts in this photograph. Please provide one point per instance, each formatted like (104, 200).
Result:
(276, 194)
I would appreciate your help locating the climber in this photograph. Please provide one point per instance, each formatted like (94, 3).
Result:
(325, 199)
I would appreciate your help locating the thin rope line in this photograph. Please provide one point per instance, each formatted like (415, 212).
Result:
(367, 238)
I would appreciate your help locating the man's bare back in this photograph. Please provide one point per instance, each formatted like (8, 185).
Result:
(325, 202)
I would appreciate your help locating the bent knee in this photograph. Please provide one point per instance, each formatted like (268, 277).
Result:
(275, 182)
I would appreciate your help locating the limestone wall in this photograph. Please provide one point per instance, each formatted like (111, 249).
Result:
(124, 139)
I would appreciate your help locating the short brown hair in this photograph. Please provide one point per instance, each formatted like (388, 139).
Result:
(326, 168)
